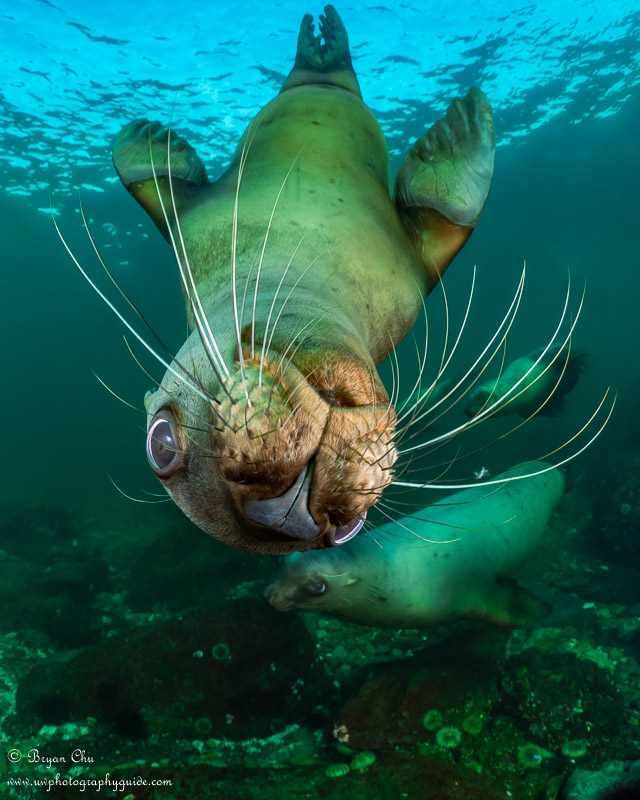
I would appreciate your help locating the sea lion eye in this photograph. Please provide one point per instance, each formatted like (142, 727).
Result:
(316, 587)
(163, 447)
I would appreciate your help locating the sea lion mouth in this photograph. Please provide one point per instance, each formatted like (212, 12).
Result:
(289, 513)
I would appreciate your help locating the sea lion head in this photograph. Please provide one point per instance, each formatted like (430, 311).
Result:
(484, 396)
(304, 583)
(277, 456)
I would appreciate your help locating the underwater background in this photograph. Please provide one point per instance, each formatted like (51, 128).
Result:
(128, 634)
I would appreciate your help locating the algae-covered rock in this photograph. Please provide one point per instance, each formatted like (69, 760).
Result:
(162, 677)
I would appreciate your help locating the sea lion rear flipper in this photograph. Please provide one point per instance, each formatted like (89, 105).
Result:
(444, 180)
(323, 59)
(519, 604)
(142, 148)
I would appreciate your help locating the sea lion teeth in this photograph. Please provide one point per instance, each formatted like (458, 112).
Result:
(301, 273)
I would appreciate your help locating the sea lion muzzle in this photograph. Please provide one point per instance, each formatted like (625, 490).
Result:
(289, 513)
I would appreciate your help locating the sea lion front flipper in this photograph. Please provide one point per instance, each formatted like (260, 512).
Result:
(143, 147)
(323, 59)
(444, 181)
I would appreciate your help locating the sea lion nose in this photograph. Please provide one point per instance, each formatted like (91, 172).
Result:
(288, 513)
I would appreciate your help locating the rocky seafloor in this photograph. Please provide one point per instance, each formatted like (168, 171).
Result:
(137, 660)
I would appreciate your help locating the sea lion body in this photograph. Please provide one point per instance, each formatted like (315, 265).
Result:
(533, 385)
(340, 185)
(453, 567)
(271, 428)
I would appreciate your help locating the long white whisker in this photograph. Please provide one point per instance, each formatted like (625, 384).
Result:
(293, 288)
(264, 247)
(265, 351)
(117, 396)
(159, 358)
(128, 300)
(413, 533)
(234, 244)
(421, 360)
(135, 499)
(500, 401)
(507, 320)
(453, 349)
(529, 474)
(208, 338)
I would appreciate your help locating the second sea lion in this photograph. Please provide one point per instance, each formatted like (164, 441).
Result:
(455, 565)
(535, 384)
(301, 272)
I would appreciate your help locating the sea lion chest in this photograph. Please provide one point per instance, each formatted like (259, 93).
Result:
(311, 175)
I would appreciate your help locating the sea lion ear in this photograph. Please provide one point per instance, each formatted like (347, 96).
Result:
(444, 180)
(351, 580)
(143, 148)
(148, 398)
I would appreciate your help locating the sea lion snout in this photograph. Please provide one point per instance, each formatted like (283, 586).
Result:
(270, 465)
(288, 513)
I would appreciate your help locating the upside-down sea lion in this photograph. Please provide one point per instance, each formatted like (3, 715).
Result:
(271, 429)
(535, 384)
(454, 567)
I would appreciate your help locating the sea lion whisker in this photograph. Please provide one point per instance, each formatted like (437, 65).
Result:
(159, 384)
(446, 466)
(312, 322)
(206, 333)
(537, 472)
(453, 349)
(493, 407)
(117, 396)
(265, 349)
(443, 503)
(509, 317)
(128, 325)
(293, 288)
(422, 360)
(414, 410)
(234, 245)
(128, 300)
(264, 247)
(414, 534)
(451, 525)
(188, 292)
(135, 499)
(526, 419)
(378, 490)
(508, 321)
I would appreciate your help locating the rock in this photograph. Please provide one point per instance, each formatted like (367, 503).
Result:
(240, 667)
(184, 568)
(32, 533)
(456, 675)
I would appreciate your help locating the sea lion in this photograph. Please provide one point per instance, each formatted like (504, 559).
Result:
(271, 428)
(535, 384)
(455, 566)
